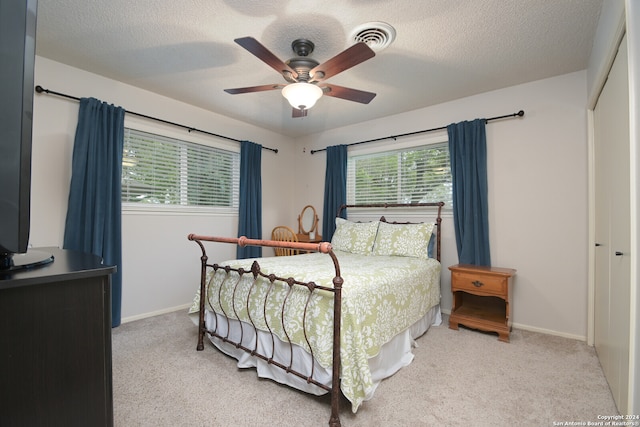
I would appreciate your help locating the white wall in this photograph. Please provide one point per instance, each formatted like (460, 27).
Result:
(537, 191)
(537, 177)
(160, 266)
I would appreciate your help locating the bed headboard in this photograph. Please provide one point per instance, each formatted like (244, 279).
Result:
(438, 219)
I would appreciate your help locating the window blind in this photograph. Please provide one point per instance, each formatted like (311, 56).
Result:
(413, 175)
(159, 170)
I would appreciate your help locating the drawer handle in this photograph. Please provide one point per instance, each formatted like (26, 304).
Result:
(477, 283)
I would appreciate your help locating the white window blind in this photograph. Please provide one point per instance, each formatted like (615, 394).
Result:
(158, 170)
(413, 175)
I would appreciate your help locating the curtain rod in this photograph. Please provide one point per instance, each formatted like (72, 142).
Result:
(40, 89)
(518, 114)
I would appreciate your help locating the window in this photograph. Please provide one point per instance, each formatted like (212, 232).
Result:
(158, 170)
(411, 175)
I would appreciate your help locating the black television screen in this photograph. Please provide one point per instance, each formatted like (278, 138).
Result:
(17, 60)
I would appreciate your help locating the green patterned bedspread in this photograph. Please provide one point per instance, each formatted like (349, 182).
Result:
(382, 296)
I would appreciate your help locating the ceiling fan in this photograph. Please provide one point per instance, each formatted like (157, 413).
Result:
(306, 76)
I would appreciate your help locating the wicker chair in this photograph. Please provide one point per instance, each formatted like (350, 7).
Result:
(283, 233)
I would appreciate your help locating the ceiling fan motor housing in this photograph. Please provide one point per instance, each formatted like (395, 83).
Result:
(302, 66)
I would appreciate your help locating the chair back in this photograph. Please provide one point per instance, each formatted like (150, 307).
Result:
(282, 233)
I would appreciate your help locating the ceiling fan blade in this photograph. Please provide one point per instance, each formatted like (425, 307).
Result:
(295, 113)
(265, 55)
(348, 58)
(348, 93)
(250, 89)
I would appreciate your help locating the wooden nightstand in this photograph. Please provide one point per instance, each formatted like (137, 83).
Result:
(482, 298)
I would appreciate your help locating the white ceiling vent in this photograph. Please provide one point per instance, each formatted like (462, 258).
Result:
(378, 35)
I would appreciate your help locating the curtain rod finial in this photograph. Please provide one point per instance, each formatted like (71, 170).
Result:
(520, 113)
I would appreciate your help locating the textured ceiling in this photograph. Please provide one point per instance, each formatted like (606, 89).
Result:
(444, 50)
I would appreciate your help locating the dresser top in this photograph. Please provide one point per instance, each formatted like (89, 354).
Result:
(66, 265)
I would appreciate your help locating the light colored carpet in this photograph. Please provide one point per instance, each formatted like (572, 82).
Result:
(458, 378)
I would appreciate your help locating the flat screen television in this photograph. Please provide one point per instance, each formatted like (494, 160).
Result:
(17, 61)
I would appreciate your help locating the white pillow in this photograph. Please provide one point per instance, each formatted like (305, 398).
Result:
(354, 237)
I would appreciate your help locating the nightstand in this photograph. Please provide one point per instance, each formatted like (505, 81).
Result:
(482, 298)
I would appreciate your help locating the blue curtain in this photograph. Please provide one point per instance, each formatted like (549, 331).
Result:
(468, 152)
(93, 223)
(250, 215)
(335, 189)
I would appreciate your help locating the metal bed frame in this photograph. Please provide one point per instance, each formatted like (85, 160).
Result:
(255, 271)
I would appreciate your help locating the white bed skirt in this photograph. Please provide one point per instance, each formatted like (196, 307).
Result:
(393, 356)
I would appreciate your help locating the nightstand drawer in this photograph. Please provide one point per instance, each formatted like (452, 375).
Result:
(479, 283)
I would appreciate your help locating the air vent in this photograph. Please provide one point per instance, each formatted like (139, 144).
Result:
(378, 35)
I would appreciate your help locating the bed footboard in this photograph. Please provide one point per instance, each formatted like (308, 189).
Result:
(269, 279)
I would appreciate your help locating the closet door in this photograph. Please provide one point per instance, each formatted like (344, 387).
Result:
(612, 229)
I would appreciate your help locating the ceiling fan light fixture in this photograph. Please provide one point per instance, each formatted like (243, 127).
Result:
(302, 95)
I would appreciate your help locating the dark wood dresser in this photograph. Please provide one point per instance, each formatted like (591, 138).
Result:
(55, 343)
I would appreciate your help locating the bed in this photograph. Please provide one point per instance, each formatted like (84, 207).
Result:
(339, 318)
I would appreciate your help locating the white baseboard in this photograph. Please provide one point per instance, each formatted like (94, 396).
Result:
(540, 330)
(156, 313)
(549, 332)
(447, 312)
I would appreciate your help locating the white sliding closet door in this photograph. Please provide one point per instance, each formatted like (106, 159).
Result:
(612, 229)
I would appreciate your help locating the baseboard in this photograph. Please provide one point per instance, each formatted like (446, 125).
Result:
(156, 313)
(447, 312)
(549, 332)
(539, 330)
